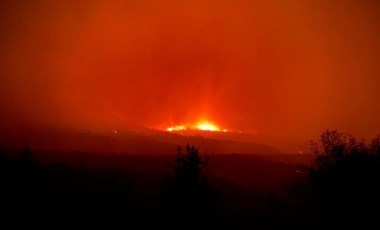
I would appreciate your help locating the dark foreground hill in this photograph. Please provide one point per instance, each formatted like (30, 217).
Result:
(126, 189)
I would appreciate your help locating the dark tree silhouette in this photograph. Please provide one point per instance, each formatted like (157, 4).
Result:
(343, 184)
(188, 166)
(26, 155)
(375, 146)
(192, 202)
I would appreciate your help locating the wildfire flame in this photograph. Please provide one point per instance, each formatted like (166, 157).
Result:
(176, 128)
(206, 126)
(203, 126)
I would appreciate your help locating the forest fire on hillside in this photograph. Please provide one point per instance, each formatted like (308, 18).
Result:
(202, 126)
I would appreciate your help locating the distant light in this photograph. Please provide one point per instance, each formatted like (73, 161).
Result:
(115, 131)
(225, 130)
(300, 152)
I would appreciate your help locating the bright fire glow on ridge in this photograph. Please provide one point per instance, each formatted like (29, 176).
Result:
(176, 128)
(203, 126)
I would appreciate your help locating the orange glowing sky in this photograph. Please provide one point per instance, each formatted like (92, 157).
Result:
(291, 67)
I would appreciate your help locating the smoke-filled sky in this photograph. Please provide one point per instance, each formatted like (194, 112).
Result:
(290, 67)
